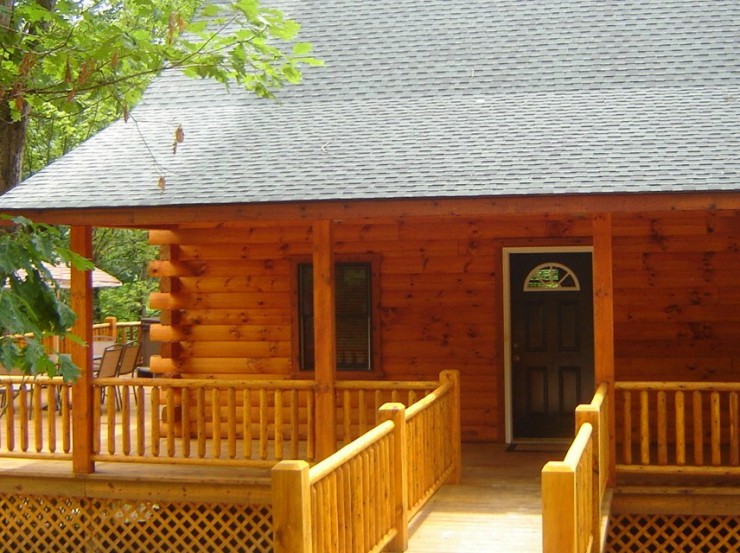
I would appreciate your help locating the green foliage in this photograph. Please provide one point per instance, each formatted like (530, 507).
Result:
(29, 299)
(79, 64)
(125, 254)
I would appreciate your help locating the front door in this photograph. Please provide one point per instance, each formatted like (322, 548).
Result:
(552, 351)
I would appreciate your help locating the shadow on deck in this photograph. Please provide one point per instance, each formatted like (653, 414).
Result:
(496, 507)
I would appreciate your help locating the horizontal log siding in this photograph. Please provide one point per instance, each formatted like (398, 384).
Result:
(675, 286)
(677, 296)
(439, 304)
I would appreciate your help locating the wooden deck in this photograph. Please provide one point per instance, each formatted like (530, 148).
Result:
(496, 507)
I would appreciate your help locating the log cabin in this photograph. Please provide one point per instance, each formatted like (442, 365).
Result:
(540, 196)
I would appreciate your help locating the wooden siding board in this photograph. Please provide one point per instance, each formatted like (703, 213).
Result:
(675, 290)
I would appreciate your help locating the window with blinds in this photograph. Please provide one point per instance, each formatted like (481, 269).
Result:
(353, 316)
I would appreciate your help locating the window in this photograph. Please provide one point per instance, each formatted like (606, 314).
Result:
(551, 277)
(354, 322)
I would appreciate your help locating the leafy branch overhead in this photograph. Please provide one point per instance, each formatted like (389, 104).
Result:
(65, 52)
(88, 61)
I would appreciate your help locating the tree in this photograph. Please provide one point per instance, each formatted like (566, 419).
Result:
(30, 305)
(76, 57)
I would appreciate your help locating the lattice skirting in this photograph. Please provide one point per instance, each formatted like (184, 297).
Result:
(673, 533)
(45, 523)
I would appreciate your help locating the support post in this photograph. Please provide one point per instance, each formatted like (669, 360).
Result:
(590, 414)
(604, 322)
(396, 412)
(81, 300)
(324, 338)
(112, 323)
(558, 508)
(291, 507)
(453, 377)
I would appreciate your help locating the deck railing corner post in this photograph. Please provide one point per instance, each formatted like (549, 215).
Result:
(396, 412)
(291, 507)
(453, 377)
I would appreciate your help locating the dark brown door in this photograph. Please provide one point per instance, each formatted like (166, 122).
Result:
(551, 341)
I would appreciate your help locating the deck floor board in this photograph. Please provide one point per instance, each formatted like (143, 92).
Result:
(495, 508)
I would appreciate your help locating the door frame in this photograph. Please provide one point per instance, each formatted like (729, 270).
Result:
(506, 276)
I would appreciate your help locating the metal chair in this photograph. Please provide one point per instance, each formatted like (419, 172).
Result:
(130, 359)
(109, 365)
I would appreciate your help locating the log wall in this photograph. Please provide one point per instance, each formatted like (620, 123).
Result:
(677, 296)
(228, 297)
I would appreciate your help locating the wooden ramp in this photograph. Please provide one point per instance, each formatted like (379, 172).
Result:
(496, 508)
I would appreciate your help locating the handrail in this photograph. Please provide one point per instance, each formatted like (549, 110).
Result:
(574, 490)
(567, 525)
(365, 493)
(679, 427)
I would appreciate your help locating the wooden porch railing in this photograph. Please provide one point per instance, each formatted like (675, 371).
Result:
(573, 490)
(35, 418)
(361, 498)
(678, 427)
(215, 422)
(358, 402)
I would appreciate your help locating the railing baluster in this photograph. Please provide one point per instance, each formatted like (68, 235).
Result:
(51, 413)
(716, 435)
(680, 428)
(185, 439)
(698, 429)
(140, 421)
(310, 426)
(200, 409)
(247, 422)
(644, 427)
(278, 430)
(216, 424)
(263, 423)
(362, 412)
(125, 420)
(110, 400)
(347, 417)
(231, 421)
(155, 421)
(23, 417)
(662, 429)
(66, 420)
(294, 423)
(734, 427)
(627, 445)
(171, 422)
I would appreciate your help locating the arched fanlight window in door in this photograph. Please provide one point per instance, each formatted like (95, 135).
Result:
(551, 277)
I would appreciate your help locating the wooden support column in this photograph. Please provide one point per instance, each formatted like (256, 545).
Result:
(81, 299)
(604, 321)
(396, 412)
(291, 507)
(324, 338)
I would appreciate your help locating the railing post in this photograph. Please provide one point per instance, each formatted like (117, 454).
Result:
(291, 507)
(558, 508)
(590, 414)
(396, 412)
(453, 377)
(112, 323)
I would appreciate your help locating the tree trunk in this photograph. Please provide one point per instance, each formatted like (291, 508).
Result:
(12, 142)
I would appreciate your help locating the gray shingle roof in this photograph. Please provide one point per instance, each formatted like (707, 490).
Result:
(440, 98)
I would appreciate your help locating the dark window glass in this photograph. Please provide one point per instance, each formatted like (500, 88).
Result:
(353, 316)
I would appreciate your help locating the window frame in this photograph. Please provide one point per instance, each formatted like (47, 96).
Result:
(374, 370)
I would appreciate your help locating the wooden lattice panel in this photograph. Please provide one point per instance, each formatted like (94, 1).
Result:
(673, 533)
(44, 523)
